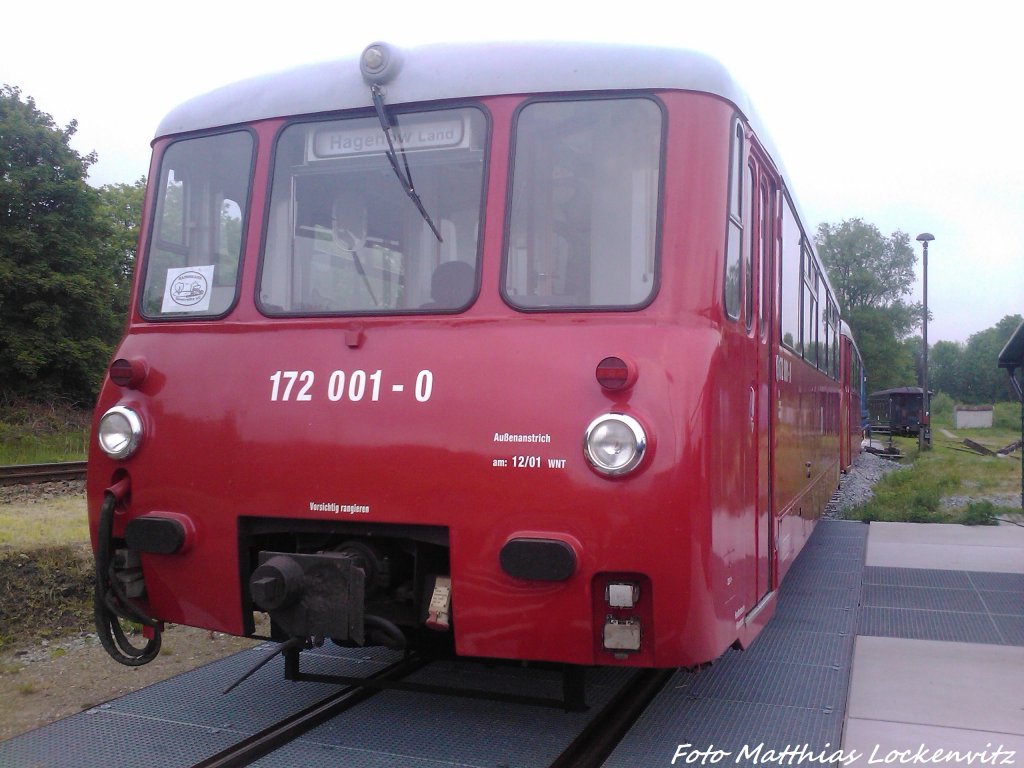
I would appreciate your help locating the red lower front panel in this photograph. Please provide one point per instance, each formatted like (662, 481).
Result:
(434, 441)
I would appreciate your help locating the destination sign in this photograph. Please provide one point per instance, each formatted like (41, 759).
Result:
(367, 138)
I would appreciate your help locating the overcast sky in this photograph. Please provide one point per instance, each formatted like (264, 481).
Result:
(905, 114)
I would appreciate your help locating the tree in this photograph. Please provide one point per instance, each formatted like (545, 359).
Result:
(913, 350)
(871, 275)
(121, 208)
(983, 381)
(946, 368)
(887, 361)
(57, 323)
(968, 372)
(866, 268)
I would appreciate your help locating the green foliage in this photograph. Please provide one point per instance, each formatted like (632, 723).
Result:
(985, 382)
(871, 275)
(979, 513)
(912, 495)
(941, 409)
(887, 362)
(969, 372)
(865, 268)
(1007, 416)
(58, 323)
(121, 207)
(945, 368)
(32, 433)
(915, 493)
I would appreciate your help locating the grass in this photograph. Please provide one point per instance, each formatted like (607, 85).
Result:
(1006, 416)
(45, 567)
(33, 433)
(949, 471)
(52, 582)
(33, 525)
(45, 450)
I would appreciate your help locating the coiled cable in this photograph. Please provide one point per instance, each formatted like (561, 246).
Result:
(110, 603)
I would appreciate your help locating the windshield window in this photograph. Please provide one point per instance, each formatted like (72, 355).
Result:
(344, 237)
(584, 204)
(196, 239)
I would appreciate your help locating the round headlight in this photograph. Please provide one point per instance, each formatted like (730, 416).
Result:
(614, 444)
(119, 432)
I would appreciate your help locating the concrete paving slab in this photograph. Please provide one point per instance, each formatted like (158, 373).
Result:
(876, 740)
(963, 686)
(998, 548)
(946, 533)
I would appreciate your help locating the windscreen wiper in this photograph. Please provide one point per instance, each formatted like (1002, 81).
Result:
(405, 177)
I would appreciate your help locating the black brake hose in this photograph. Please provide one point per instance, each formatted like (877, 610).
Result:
(394, 638)
(111, 604)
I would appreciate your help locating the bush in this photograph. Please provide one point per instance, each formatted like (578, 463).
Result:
(942, 408)
(979, 513)
(1006, 416)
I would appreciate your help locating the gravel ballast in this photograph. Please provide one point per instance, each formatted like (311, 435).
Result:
(857, 484)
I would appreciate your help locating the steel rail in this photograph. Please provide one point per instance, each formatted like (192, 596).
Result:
(24, 474)
(603, 733)
(589, 749)
(252, 748)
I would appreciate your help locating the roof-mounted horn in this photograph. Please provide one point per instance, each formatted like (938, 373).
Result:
(379, 63)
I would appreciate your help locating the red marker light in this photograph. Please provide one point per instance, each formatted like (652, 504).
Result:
(128, 373)
(614, 374)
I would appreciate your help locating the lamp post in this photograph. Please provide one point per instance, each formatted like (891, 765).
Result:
(924, 238)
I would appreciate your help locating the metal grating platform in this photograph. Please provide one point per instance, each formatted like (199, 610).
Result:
(786, 695)
(787, 690)
(418, 731)
(186, 719)
(958, 606)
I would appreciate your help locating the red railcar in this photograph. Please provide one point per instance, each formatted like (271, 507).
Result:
(515, 351)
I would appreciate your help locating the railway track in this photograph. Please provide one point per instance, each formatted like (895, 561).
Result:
(589, 749)
(24, 474)
(277, 735)
(599, 738)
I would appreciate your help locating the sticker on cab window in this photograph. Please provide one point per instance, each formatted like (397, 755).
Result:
(188, 289)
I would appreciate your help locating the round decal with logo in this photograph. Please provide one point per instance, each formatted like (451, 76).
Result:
(188, 289)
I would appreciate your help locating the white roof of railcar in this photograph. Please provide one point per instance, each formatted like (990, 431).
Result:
(845, 330)
(461, 70)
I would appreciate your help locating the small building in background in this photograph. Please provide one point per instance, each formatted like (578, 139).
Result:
(972, 416)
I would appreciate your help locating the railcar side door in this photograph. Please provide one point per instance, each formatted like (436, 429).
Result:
(763, 226)
(845, 439)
